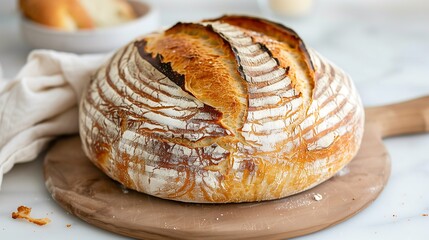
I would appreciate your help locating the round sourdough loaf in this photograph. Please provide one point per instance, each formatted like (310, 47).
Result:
(234, 109)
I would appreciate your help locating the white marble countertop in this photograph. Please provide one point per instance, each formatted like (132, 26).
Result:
(383, 45)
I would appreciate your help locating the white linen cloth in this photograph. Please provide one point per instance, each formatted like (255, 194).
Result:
(41, 103)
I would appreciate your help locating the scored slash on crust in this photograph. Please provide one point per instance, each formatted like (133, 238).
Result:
(227, 110)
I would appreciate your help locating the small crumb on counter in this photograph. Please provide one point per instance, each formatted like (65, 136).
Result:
(68, 225)
(124, 189)
(318, 197)
(24, 213)
(425, 214)
(394, 215)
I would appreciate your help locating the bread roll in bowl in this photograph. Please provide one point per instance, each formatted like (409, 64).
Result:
(234, 109)
(72, 15)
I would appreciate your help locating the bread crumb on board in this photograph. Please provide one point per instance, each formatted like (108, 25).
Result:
(425, 214)
(68, 225)
(318, 197)
(24, 213)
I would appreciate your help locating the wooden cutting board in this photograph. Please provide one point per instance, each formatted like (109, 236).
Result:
(83, 190)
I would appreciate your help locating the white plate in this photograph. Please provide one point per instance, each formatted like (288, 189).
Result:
(92, 41)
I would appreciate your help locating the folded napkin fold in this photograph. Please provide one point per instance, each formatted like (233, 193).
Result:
(41, 103)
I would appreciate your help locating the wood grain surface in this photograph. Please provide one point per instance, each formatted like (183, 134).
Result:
(83, 190)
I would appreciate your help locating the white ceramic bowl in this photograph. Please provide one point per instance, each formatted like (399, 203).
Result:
(94, 40)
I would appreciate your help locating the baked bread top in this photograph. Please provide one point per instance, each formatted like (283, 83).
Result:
(235, 109)
(71, 15)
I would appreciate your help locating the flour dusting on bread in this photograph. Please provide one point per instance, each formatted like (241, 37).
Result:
(234, 109)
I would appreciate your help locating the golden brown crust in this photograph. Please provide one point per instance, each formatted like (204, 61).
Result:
(275, 31)
(228, 110)
(220, 84)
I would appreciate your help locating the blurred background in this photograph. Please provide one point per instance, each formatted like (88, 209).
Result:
(382, 44)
